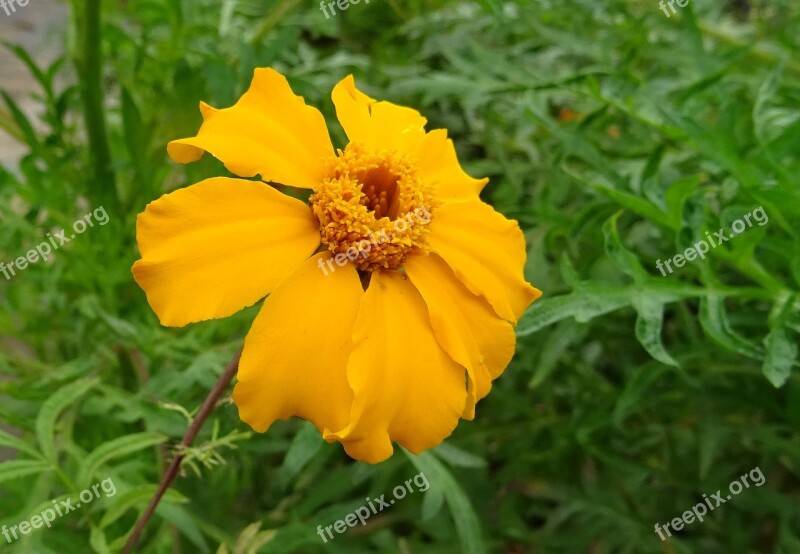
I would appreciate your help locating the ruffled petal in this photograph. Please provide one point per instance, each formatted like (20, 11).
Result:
(383, 125)
(406, 388)
(376, 125)
(216, 247)
(270, 132)
(465, 325)
(295, 355)
(436, 157)
(486, 252)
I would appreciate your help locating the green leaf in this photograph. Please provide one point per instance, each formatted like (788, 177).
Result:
(769, 118)
(23, 123)
(9, 440)
(628, 201)
(52, 408)
(432, 503)
(26, 58)
(560, 340)
(468, 526)
(648, 327)
(653, 164)
(98, 541)
(622, 258)
(183, 520)
(116, 448)
(20, 468)
(590, 300)
(457, 457)
(48, 504)
(578, 146)
(636, 394)
(584, 305)
(252, 539)
(714, 320)
(137, 496)
(305, 446)
(781, 356)
(676, 195)
(492, 6)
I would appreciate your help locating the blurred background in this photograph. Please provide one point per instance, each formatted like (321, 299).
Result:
(617, 133)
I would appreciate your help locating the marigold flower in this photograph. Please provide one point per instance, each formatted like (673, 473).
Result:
(371, 339)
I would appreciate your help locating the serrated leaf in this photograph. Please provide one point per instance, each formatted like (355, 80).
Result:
(468, 526)
(590, 300)
(584, 305)
(52, 408)
(116, 448)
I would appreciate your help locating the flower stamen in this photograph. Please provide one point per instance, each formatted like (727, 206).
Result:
(373, 207)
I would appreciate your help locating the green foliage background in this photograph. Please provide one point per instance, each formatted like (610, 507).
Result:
(615, 135)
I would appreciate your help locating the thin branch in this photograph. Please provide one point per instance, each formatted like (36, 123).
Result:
(191, 433)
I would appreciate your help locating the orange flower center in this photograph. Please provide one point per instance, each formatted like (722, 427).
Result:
(373, 208)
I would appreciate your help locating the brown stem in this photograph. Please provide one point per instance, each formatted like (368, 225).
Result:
(191, 433)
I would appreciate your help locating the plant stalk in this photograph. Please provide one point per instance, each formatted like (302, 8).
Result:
(90, 69)
(191, 433)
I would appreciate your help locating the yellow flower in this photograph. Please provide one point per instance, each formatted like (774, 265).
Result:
(392, 295)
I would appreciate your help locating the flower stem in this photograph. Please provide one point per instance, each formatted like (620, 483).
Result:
(191, 433)
(89, 63)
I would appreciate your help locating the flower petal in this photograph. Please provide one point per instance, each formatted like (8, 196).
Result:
(383, 125)
(377, 125)
(270, 131)
(437, 159)
(309, 313)
(216, 247)
(486, 252)
(405, 387)
(465, 325)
